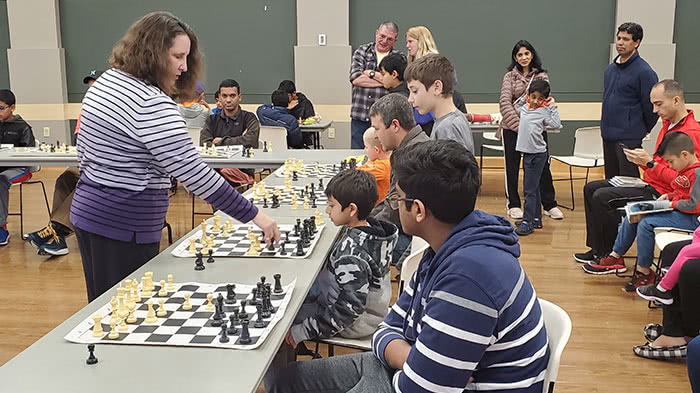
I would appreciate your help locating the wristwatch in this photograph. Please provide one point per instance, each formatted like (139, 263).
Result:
(651, 164)
(372, 74)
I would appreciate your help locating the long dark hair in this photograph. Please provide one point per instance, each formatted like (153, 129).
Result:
(535, 63)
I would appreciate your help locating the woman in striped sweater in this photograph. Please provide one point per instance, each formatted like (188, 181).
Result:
(132, 138)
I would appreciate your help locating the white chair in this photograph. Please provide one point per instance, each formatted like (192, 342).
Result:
(275, 136)
(588, 153)
(410, 264)
(488, 136)
(194, 134)
(360, 343)
(558, 324)
(663, 236)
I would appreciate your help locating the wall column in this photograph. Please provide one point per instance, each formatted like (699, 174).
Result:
(36, 63)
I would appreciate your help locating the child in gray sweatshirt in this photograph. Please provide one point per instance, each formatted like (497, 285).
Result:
(538, 112)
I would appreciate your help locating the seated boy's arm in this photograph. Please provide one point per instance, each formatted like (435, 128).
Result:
(352, 278)
(691, 205)
(457, 326)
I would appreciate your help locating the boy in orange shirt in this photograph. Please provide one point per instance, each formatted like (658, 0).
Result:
(377, 162)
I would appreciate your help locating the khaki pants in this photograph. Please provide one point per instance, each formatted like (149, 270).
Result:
(63, 196)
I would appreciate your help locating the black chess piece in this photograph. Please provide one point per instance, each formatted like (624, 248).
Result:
(259, 323)
(216, 319)
(220, 303)
(198, 263)
(300, 248)
(278, 283)
(286, 236)
(243, 314)
(230, 294)
(313, 191)
(265, 147)
(253, 301)
(295, 176)
(313, 203)
(265, 203)
(263, 279)
(271, 246)
(224, 332)
(283, 250)
(211, 256)
(275, 202)
(91, 358)
(245, 333)
(233, 329)
(320, 182)
(297, 227)
(235, 320)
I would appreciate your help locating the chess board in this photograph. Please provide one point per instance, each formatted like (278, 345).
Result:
(188, 328)
(285, 197)
(236, 243)
(43, 151)
(220, 152)
(321, 171)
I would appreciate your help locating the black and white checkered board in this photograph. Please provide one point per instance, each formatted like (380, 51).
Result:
(286, 197)
(324, 171)
(236, 244)
(221, 151)
(191, 328)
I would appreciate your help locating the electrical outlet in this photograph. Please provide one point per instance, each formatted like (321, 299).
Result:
(47, 131)
(322, 39)
(331, 133)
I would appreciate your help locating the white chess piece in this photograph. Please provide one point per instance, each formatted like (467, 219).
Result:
(187, 306)
(171, 285)
(210, 305)
(132, 314)
(151, 316)
(161, 308)
(163, 291)
(97, 330)
(113, 333)
(122, 326)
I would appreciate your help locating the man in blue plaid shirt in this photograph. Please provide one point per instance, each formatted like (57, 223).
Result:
(366, 79)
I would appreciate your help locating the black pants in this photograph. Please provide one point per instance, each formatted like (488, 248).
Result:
(682, 318)
(512, 158)
(601, 202)
(616, 163)
(107, 261)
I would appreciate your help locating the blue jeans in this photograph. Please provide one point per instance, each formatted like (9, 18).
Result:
(533, 165)
(357, 130)
(694, 364)
(644, 232)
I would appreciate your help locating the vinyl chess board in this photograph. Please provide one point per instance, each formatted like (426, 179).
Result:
(44, 150)
(322, 171)
(285, 197)
(237, 243)
(219, 151)
(189, 328)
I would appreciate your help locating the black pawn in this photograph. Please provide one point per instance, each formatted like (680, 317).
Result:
(265, 203)
(233, 329)
(300, 248)
(230, 294)
(320, 182)
(271, 247)
(278, 283)
(265, 147)
(220, 304)
(259, 323)
(295, 176)
(224, 333)
(243, 314)
(91, 358)
(263, 279)
(313, 203)
(235, 320)
(245, 333)
(253, 301)
(283, 250)
(211, 256)
(198, 263)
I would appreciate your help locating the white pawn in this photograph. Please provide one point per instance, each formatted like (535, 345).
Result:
(161, 308)
(193, 249)
(113, 333)
(187, 306)
(132, 314)
(151, 316)
(122, 326)
(210, 305)
(171, 286)
(97, 330)
(162, 291)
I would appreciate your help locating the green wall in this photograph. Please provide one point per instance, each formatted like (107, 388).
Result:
(4, 45)
(478, 36)
(685, 36)
(248, 40)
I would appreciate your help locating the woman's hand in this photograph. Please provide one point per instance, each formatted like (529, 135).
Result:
(271, 232)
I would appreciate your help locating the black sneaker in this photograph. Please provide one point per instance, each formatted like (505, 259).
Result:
(38, 238)
(585, 257)
(651, 292)
(524, 229)
(537, 224)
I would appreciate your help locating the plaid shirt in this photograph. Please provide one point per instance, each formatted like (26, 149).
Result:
(364, 58)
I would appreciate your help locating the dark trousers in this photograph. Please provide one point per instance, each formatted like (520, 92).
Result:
(601, 201)
(682, 318)
(107, 261)
(616, 163)
(533, 166)
(357, 131)
(512, 158)
(694, 364)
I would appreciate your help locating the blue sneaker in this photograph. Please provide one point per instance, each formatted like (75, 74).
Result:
(4, 236)
(55, 246)
(524, 229)
(38, 238)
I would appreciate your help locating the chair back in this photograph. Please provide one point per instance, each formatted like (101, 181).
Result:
(558, 324)
(410, 264)
(194, 134)
(277, 136)
(588, 143)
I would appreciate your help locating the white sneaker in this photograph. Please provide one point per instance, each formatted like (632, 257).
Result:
(554, 213)
(516, 213)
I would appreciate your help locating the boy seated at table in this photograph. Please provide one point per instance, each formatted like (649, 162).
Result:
(278, 115)
(377, 162)
(351, 295)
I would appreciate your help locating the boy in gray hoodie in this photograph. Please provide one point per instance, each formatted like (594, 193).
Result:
(538, 112)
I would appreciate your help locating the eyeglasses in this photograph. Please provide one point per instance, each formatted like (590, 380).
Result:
(394, 200)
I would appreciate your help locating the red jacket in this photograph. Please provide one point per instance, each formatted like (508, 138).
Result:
(661, 176)
(686, 191)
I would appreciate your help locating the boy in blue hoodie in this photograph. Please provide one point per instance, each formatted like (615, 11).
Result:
(278, 115)
(469, 319)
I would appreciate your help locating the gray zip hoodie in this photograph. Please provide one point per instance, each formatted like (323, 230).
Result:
(533, 124)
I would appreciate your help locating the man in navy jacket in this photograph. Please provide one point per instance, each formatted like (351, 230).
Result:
(278, 115)
(627, 115)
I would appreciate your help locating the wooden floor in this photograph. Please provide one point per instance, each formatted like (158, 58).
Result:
(37, 293)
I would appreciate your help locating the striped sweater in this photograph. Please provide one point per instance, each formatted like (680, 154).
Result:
(471, 316)
(132, 138)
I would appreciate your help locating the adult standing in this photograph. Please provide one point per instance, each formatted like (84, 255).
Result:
(366, 79)
(627, 114)
(132, 138)
(525, 66)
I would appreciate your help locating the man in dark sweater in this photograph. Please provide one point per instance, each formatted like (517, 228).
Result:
(14, 131)
(233, 125)
(627, 114)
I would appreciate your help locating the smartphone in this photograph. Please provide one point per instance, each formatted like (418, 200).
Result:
(622, 145)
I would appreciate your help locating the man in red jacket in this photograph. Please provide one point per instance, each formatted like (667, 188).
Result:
(602, 200)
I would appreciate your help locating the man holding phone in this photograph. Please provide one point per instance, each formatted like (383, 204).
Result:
(601, 200)
(627, 114)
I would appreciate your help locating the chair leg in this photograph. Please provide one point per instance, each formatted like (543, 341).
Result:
(571, 183)
(21, 211)
(170, 232)
(481, 165)
(192, 210)
(331, 350)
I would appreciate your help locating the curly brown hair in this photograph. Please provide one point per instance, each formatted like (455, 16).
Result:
(143, 53)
